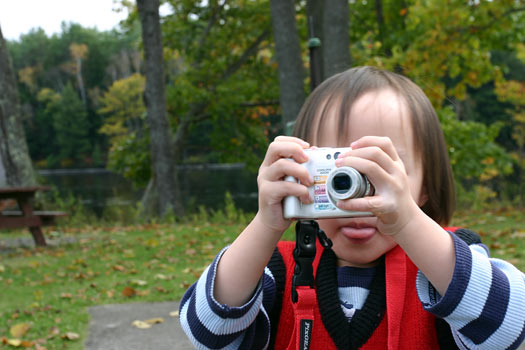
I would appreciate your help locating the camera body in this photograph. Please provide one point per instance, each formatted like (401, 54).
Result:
(331, 184)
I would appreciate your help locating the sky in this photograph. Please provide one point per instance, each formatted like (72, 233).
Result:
(19, 16)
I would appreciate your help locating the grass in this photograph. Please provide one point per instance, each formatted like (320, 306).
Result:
(48, 290)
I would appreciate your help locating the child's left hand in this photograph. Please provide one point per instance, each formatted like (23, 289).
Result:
(393, 203)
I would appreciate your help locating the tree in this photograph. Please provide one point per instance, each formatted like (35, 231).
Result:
(336, 37)
(163, 157)
(14, 155)
(68, 116)
(124, 124)
(288, 53)
(79, 53)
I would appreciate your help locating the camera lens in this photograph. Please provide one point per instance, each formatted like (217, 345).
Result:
(347, 182)
(341, 183)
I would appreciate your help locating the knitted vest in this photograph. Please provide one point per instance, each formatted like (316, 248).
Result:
(405, 325)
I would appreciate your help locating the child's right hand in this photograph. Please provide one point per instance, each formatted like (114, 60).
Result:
(272, 187)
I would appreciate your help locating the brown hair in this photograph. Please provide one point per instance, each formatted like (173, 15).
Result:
(342, 90)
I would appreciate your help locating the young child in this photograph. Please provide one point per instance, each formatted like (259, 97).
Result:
(388, 279)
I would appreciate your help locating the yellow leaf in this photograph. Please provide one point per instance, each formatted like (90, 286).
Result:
(154, 320)
(70, 336)
(14, 342)
(20, 329)
(141, 324)
(174, 313)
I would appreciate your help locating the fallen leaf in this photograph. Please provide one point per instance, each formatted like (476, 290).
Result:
(70, 336)
(20, 329)
(66, 295)
(119, 268)
(53, 332)
(161, 289)
(154, 320)
(174, 313)
(142, 293)
(129, 292)
(141, 324)
(14, 342)
(139, 282)
(26, 343)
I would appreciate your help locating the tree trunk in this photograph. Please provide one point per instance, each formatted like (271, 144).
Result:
(80, 82)
(314, 12)
(381, 26)
(336, 43)
(288, 52)
(14, 155)
(163, 157)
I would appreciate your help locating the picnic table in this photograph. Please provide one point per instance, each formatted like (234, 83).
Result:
(25, 216)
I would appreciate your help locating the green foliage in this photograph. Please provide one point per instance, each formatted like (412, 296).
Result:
(78, 214)
(123, 107)
(130, 157)
(70, 124)
(229, 214)
(473, 152)
(124, 124)
(213, 73)
(443, 46)
(221, 79)
(46, 63)
(475, 157)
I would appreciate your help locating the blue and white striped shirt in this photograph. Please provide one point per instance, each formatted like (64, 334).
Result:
(484, 304)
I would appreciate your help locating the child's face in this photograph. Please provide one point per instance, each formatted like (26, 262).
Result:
(380, 113)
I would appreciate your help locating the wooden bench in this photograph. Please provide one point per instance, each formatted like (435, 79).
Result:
(47, 218)
(26, 217)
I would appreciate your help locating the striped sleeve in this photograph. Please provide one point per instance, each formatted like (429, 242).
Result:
(211, 325)
(484, 303)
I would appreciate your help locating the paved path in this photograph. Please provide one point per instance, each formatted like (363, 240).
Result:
(111, 328)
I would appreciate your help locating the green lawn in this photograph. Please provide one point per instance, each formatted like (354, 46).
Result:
(50, 289)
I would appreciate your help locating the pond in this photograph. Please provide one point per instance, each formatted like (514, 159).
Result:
(204, 184)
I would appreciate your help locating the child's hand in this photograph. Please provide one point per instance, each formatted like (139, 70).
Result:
(272, 187)
(392, 203)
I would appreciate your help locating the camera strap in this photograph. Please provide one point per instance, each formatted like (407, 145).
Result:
(304, 296)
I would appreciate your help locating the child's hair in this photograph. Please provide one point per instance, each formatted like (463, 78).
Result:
(338, 93)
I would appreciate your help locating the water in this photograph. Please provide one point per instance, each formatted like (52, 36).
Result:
(200, 185)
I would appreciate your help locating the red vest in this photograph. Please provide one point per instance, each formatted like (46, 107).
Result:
(405, 325)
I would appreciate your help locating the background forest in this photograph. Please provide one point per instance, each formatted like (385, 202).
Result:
(228, 89)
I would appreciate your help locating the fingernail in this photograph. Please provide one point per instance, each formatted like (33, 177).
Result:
(306, 199)
(339, 161)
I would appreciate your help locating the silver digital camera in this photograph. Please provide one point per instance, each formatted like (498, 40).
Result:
(331, 184)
